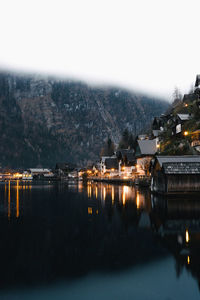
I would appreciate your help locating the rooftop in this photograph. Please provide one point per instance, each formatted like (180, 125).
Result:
(184, 117)
(181, 168)
(178, 159)
(147, 147)
(111, 163)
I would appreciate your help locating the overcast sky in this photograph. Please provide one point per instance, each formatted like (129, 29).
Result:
(147, 45)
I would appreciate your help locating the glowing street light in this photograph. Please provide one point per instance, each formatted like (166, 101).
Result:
(186, 133)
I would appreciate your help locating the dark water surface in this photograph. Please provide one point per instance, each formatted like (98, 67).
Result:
(98, 241)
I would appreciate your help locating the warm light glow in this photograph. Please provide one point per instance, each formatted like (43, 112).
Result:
(112, 170)
(89, 190)
(17, 175)
(124, 193)
(17, 200)
(186, 133)
(123, 168)
(89, 210)
(186, 105)
(188, 260)
(97, 212)
(9, 200)
(187, 237)
(113, 195)
(96, 192)
(158, 146)
(138, 200)
(104, 193)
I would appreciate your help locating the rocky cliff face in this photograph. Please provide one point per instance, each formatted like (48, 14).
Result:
(46, 120)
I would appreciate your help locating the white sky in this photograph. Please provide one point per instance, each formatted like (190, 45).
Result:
(146, 45)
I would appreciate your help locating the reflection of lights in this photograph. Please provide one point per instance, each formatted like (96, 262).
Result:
(187, 237)
(124, 193)
(17, 200)
(104, 193)
(138, 200)
(188, 260)
(96, 192)
(8, 199)
(113, 195)
(97, 212)
(123, 198)
(89, 210)
(89, 190)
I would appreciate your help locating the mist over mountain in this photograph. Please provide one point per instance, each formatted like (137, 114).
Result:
(44, 120)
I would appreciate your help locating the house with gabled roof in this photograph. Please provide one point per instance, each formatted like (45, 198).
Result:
(109, 166)
(145, 151)
(127, 162)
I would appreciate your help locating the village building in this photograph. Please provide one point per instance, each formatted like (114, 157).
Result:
(63, 168)
(176, 174)
(179, 122)
(145, 151)
(38, 172)
(195, 136)
(109, 166)
(127, 162)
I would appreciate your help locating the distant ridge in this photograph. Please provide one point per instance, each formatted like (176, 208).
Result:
(44, 120)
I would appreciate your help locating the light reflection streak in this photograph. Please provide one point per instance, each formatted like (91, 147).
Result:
(96, 192)
(113, 195)
(104, 193)
(187, 237)
(17, 200)
(138, 200)
(188, 259)
(89, 191)
(9, 200)
(125, 194)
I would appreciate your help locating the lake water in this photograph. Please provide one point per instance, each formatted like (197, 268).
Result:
(98, 241)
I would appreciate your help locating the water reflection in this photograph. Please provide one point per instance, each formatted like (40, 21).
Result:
(65, 231)
(177, 222)
(119, 194)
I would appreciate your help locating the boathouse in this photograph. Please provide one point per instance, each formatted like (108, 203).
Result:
(176, 174)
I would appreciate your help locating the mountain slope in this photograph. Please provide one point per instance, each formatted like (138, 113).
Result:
(45, 120)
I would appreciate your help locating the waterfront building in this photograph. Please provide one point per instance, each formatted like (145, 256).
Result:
(109, 166)
(176, 174)
(195, 135)
(145, 151)
(127, 161)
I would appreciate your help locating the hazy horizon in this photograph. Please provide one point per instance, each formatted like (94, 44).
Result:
(97, 85)
(141, 45)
